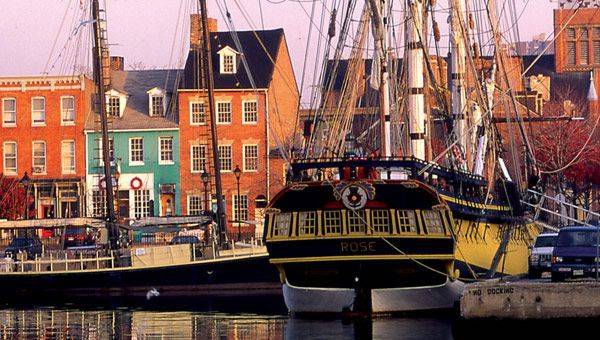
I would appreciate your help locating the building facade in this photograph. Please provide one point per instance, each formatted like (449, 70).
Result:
(256, 101)
(41, 135)
(143, 144)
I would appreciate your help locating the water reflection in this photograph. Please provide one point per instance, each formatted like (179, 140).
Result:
(46, 323)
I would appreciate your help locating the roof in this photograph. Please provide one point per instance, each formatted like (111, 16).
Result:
(135, 85)
(578, 82)
(259, 63)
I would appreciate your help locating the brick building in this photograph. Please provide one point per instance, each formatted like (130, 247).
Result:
(42, 135)
(256, 101)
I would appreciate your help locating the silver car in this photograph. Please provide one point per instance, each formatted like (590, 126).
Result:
(540, 260)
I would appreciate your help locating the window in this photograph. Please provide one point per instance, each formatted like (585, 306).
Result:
(380, 221)
(136, 151)
(281, 224)
(433, 222)
(250, 112)
(10, 158)
(223, 112)
(357, 222)
(250, 155)
(332, 222)
(596, 44)
(114, 106)
(584, 51)
(157, 106)
(194, 205)
(198, 156)
(241, 207)
(39, 157)
(67, 110)
(307, 223)
(111, 151)
(407, 221)
(68, 156)
(166, 150)
(570, 32)
(225, 157)
(570, 53)
(98, 203)
(38, 111)
(141, 198)
(228, 61)
(9, 112)
(197, 113)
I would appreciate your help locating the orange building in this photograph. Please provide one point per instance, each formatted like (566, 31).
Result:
(256, 100)
(42, 135)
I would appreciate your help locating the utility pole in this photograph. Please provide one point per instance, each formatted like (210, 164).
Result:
(100, 49)
(210, 86)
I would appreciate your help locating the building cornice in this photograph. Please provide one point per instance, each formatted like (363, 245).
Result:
(42, 83)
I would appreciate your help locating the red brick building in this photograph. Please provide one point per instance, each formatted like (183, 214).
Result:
(41, 134)
(256, 101)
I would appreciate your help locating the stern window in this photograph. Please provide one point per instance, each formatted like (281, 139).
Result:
(407, 221)
(381, 221)
(332, 222)
(307, 223)
(281, 224)
(433, 222)
(357, 223)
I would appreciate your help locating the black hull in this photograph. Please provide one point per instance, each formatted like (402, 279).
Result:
(242, 276)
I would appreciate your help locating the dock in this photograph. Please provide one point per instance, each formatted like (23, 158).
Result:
(530, 300)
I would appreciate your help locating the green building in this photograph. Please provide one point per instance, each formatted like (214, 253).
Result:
(143, 144)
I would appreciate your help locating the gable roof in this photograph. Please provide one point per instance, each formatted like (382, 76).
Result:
(259, 63)
(135, 85)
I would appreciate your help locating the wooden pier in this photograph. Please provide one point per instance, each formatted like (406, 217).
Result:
(530, 300)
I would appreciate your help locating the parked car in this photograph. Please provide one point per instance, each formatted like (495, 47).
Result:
(184, 239)
(78, 237)
(31, 244)
(540, 260)
(574, 255)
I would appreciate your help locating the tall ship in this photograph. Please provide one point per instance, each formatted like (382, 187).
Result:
(395, 209)
(204, 265)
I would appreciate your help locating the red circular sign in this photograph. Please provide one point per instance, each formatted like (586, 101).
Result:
(136, 183)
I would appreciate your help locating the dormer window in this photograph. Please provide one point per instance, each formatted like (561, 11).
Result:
(228, 63)
(115, 103)
(157, 102)
(114, 106)
(228, 60)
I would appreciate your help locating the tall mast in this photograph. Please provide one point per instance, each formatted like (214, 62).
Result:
(416, 99)
(210, 85)
(457, 65)
(101, 50)
(490, 86)
(380, 32)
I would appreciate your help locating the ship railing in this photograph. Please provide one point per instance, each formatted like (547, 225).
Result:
(57, 263)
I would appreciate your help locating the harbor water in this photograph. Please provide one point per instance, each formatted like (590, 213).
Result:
(257, 318)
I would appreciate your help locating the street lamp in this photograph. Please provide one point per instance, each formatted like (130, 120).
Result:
(25, 181)
(117, 175)
(204, 178)
(237, 172)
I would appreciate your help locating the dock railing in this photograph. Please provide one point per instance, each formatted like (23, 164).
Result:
(58, 263)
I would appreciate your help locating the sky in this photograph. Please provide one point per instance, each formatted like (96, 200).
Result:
(155, 32)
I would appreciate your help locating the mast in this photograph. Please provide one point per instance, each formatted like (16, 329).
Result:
(100, 50)
(380, 34)
(208, 71)
(416, 99)
(457, 66)
(490, 86)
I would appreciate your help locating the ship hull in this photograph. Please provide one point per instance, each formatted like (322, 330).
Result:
(307, 300)
(246, 275)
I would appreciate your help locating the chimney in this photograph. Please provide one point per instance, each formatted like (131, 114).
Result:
(195, 32)
(117, 63)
